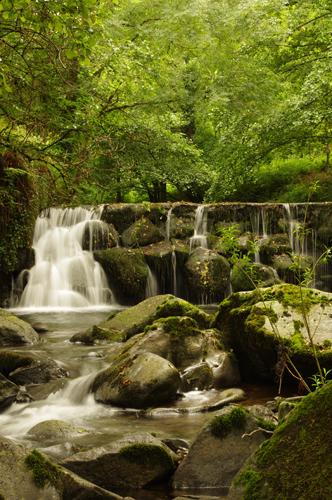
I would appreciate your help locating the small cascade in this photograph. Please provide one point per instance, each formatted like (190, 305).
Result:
(199, 239)
(65, 275)
(259, 228)
(168, 224)
(174, 273)
(151, 288)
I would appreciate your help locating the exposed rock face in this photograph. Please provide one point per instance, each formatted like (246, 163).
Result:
(133, 461)
(143, 232)
(26, 368)
(208, 275)
(297, 461)
(140, 381)
(264, 324)
(14, 331)
(126, 271)
(31, 475)
(8, 392)
(219, 451)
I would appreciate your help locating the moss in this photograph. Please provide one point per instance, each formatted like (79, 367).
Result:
(148, 455)
(296, 462)
(44, 472)
(179, 307)
(175, 325)
(265, 424)
(221, 425)
(250, 479)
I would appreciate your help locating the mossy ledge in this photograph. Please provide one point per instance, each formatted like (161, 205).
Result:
(147, 455)
(296, 462)
(44, 472)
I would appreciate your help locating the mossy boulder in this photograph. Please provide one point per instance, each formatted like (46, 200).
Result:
(247, 276)
(219, 450)
(14, 331)
(208, 275)
(27, 368)
(197, 377)
(131, 462)
(177, 339)
(99, 235)
(275, 245)
(297, 461)
(31, 475)
(139, 381)
(133, 320)
(143, 232)
(292, 269)
(264, 325)
(126, 272)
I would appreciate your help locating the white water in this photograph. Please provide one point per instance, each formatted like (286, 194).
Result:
(151, 288)
(259, 228)
(174, 275)
(199, 239)
(65, 275)
(168, 224)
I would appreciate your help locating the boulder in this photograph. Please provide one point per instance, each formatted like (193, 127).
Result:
(248, 276)
(31, 475)
(14, 331)
(143, 232)
(197, 377)
(27, 368)
(226, 372)
(133, 320)
(267, 325)
(99, 235)
(297, 461)
(220, 450)
(274, 245)
(207, 275)
(138, 381)
(53, 431)
(131, 462)
(126, 272)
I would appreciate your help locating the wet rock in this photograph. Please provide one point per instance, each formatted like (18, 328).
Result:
(197, 377)
(54, 430)
(248, 276)
(99, 235)
(208, 275)
(126, 272)
(140, 381)
(131, 462)
(262, 324)
(226, 371)
(143, 232)
(220, 450)
(99, 334)
(8, 392)
(14, 331)
(275, 245)
(290, 464)
(25, 369)
(40, 327)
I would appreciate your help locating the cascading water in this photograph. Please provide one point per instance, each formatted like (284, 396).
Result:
(65, 275)
(151, 288)
(259, 228)
(173, 258)
(199, 239)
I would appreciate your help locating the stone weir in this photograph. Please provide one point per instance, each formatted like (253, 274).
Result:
(201, 252)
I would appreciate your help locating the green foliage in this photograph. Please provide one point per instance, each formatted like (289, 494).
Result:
(318, 380)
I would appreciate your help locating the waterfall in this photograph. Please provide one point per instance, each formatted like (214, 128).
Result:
(199, 239)
(259, 228)
(151, 288)
(65, 275)
(168, 224)
(174, 275)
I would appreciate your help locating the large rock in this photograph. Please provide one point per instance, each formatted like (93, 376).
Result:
(26, 368)
(143, 232)
(138, 381)
(99, 235)
(248, 276)
(133, 320)
(54, 431)
(220, 450)
(126, 272)
(30, 475)
(297, 461)
(267, 325)
(208, 275)
(14, 331)
(131, 462)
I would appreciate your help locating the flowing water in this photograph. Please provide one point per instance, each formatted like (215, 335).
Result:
(199, 239)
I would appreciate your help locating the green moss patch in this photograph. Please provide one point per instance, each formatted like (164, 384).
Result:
(44, 472)
(221, 425)
(147, 455)
(179, 307)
